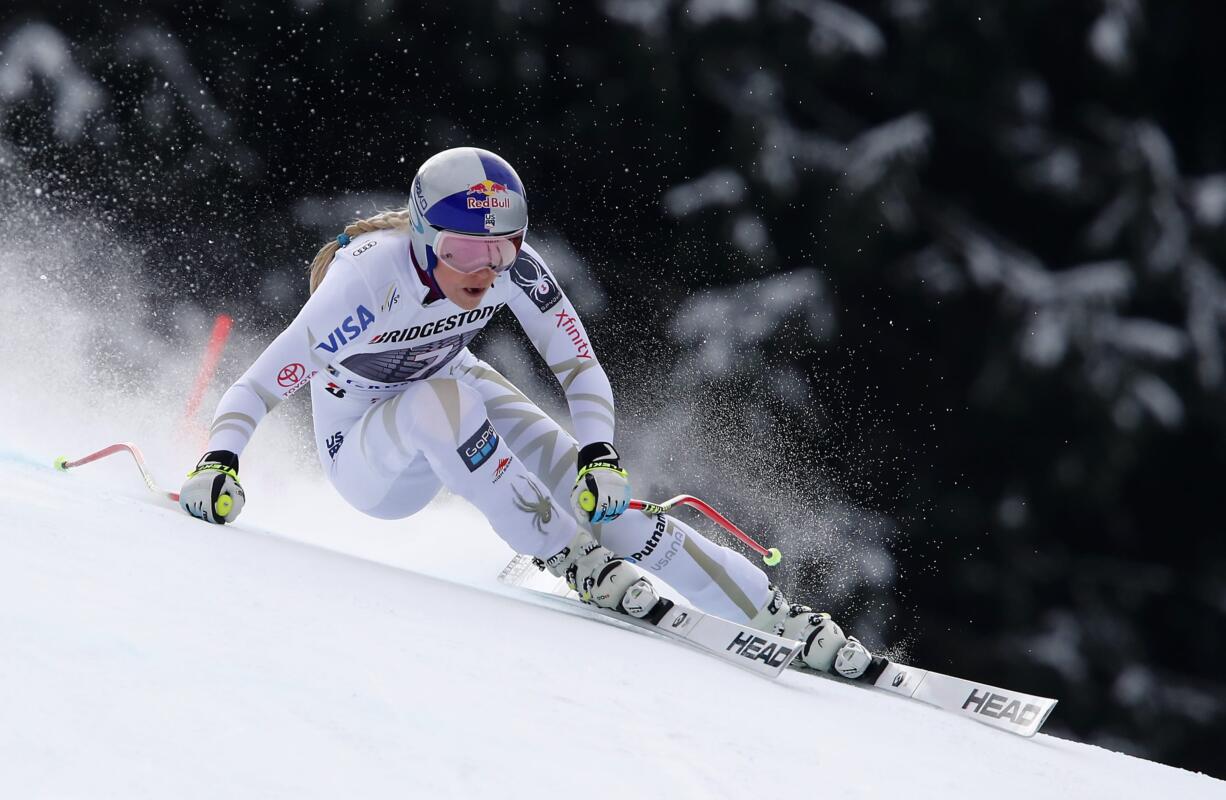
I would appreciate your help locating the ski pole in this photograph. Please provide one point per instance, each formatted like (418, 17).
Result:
(770, 556)
(63, 465)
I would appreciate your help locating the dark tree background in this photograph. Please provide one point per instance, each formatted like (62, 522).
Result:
(929, 292)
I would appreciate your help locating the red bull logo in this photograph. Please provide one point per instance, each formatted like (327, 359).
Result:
(487, 192)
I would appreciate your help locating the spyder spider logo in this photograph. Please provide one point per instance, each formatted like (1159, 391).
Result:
(541, 508)
(531, 276)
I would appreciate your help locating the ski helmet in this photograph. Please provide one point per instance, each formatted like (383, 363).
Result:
(465, 190)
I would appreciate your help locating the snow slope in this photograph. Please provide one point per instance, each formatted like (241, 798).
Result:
(307, 652)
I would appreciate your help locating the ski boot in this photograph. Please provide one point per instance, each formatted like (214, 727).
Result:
(824, 645)
(603, 579)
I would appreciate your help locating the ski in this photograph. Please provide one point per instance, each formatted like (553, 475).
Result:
(741, 645)
(767, 655)
(1006, 710)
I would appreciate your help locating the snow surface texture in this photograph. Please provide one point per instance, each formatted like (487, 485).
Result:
(150, 655)
(308, 651)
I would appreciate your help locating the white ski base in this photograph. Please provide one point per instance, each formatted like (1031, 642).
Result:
(741, 645)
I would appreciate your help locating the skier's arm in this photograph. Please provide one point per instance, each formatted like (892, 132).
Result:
(330, 321)
(551, 322)
(602, 490)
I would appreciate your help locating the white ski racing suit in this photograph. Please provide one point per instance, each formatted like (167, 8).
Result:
(402, 407)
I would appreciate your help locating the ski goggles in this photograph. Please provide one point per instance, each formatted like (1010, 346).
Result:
(467, 253)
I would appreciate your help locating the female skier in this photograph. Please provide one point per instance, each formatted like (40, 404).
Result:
(401, 407)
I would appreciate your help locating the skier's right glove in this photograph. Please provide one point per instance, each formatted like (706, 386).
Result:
(212, 491)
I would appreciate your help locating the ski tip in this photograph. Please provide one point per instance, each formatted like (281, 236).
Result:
(1043, 719)
(61, 463)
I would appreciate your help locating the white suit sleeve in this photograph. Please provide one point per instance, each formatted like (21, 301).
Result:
(550, 320)
(329, 323)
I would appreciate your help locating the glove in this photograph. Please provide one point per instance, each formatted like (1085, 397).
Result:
(602, 490)
(212, 491)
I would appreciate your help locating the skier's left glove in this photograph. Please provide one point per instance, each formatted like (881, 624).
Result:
(602, 490)
(212, 491)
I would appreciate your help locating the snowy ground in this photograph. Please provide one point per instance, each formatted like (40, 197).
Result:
(307, 652)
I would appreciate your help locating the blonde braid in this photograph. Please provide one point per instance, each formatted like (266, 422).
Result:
(387, 220)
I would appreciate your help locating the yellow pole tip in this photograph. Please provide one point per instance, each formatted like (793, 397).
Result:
(61, 463)
(223, 505)
(587, 501)
(772, 557)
